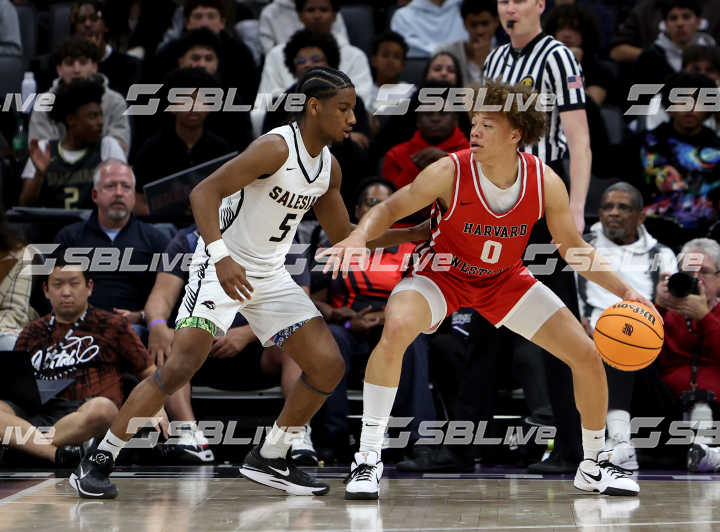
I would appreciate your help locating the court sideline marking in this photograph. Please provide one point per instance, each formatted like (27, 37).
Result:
(29, 491)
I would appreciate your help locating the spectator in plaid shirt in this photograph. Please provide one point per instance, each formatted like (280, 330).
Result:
(89, 347)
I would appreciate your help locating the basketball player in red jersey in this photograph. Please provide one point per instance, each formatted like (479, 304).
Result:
(485, 202)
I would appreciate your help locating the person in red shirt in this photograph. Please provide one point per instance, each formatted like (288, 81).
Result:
(437, 135)
(692, 338)
(486, 201)
(354, 309)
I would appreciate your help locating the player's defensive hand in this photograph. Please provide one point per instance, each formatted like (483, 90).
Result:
(343, 254)
(233, 280)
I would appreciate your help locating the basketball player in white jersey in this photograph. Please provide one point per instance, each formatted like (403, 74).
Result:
(238, 266)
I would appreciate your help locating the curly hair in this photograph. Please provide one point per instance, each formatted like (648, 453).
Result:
(77, 47)
(532, 122)
(304, 39)
(578, 18)
(71, 96)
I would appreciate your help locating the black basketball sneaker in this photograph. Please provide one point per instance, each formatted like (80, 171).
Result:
(91, 479)
(281, 474)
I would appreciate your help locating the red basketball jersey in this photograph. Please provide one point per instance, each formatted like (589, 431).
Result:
(477, 241)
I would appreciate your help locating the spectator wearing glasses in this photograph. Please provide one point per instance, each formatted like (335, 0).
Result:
(692, 338)
(640, 261)
(355, 311)
(276, 76)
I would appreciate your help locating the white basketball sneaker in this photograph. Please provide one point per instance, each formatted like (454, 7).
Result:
(363, 482)
(302, 451)
(601, 476)
(192, 445)
(623, 455)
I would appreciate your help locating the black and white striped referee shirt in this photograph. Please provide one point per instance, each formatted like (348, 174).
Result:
(550, 67)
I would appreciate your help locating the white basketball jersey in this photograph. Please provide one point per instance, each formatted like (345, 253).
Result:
(258, 223)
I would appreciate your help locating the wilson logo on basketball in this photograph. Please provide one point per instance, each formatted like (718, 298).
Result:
(627, 330)
(637, 309)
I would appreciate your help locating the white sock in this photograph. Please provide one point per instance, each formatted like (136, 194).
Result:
(618, 425)
(377, 404)
(111, 444)
(593, 442)
(701, 413)
(277, 442)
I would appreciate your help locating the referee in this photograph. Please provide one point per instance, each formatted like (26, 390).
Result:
(536, 59)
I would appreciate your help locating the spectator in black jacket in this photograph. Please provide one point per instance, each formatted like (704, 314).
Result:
(682, 23)
(186, 137)
(122, 70)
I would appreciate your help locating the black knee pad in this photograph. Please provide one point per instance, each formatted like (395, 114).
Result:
(303, 379)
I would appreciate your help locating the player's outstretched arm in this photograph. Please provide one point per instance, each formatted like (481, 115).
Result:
(334, 218)
(580, 255)
(263, 157)
(435, 181)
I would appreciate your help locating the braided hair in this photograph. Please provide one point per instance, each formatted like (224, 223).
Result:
(322, 83)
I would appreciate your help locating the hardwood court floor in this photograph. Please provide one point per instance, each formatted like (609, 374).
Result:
(213, 499)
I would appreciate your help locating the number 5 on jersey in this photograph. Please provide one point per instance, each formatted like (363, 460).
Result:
(284, 227)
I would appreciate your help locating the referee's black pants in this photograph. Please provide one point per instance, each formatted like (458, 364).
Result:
(568, 439)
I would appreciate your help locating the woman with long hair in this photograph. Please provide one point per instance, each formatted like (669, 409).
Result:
(15, 286)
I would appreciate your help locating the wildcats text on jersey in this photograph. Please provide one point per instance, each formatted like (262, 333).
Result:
(474, 269)
(292, 200)
(498, 231)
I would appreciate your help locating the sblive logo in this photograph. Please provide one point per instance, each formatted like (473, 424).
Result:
(627, 330)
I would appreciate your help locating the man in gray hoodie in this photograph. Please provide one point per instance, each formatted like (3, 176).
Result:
(641, 261)
(279, 20)
(682, 20)
(10, 43)
(77, 58)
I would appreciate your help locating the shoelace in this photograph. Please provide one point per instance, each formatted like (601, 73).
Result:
(615, 471)
(361, 472)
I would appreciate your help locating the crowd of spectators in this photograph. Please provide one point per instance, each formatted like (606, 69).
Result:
(653, 203)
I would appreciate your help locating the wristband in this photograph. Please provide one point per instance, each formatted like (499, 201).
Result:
(348, 324)
(155, 322)
(217, 251)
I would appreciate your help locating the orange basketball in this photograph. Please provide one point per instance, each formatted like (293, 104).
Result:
(629, 335)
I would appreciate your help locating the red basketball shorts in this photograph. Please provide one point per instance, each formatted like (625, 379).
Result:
(514, 298)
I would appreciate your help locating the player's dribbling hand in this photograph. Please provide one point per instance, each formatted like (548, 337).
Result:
(632, 295)
(343, 254)
(233, 280)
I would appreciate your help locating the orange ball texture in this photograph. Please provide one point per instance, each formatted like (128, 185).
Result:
(629, 335)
